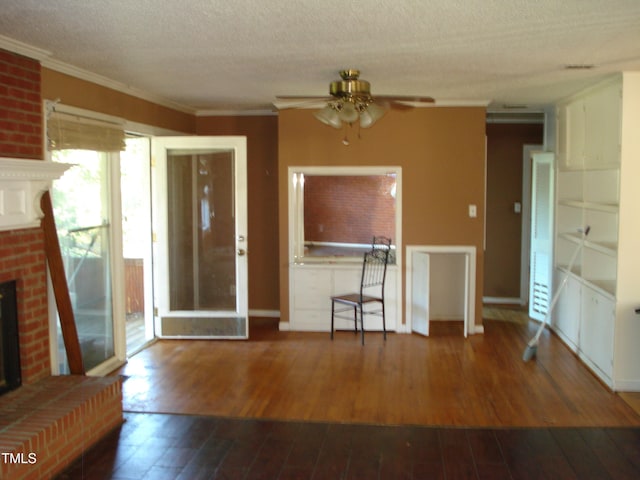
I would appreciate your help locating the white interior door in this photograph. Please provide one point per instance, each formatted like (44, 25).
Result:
(420, 293)
(200, 221)
(542, 190)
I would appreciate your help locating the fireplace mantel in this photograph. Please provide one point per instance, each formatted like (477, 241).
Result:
(22, 183)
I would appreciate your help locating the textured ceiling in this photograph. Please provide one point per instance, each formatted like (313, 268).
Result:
(238, 55)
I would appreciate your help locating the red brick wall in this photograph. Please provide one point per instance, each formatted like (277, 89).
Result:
(22, 255)
(22, 258)
(348, 209)
(20, 107)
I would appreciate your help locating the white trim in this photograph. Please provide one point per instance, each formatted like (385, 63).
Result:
(461, 103)
(116, 260)
(284, 326)
(22, 183)
(106, 367)
(237, 113)
(82, 74)
(23, 49)
(44, 57)
(159, 148)
(525, 220)
(295, 203)
(503, 300)
(626, 386)
(469, 251)
(264, 313)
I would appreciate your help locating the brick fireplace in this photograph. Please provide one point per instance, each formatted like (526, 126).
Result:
(22, 259)
(49, 421)
(22, 256)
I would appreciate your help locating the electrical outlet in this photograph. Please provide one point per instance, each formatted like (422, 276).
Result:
(473, 211)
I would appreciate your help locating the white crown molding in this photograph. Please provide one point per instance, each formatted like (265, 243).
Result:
(23, 49)
(22, 183)
(461, 103)
(76, 72)
(44, 57)
(236, 113)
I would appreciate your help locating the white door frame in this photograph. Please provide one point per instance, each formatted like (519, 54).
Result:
(469, 251)
(525, 248)
(161, 270)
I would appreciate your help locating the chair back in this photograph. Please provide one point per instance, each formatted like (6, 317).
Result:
(374, 269)
(381, 243)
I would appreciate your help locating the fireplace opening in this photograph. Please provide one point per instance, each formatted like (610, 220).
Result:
(9, 347)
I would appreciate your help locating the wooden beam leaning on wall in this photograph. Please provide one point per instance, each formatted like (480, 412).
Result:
(60, 288)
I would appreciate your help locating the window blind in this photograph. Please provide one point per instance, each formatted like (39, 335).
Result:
(73, 132)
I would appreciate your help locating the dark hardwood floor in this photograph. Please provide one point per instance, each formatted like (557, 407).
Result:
(288, 405)
(185, 447)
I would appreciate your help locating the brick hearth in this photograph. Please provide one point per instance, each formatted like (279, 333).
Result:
(45, 426)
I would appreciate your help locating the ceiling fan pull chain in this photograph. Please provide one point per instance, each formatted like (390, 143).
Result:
(345, 140)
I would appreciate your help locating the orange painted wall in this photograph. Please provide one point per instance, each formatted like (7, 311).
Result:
(442, 155)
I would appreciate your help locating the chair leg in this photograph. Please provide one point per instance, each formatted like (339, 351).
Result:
(355, 319)
(333, 304)
(384, 323)
(362, 322)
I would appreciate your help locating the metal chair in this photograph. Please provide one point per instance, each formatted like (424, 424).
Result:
(374, 271)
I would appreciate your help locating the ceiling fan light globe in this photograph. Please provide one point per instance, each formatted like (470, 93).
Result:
(348, 113)
(366, 120)
(376, 111)
(329, 116)
(371, 114)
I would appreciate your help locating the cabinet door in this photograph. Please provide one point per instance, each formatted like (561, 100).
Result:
(312, 289)
(596, 331)
(346, 280)
(602, 127)
(575, 131)
(561, 136)
(566, 317)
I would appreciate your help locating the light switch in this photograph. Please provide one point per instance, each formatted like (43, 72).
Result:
(517, 207)
(473, 211)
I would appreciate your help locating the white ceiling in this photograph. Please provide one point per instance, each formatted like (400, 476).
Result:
(232, 55)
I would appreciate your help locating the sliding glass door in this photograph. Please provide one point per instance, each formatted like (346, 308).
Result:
(83, 212)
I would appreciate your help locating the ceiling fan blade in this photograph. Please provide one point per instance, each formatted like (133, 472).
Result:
(404, 98)
(401, 102)
(303, 97)
(300, 101)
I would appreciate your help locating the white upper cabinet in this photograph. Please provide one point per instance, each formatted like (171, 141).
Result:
(589, 129)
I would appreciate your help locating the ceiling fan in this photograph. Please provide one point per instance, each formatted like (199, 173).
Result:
(350, 100)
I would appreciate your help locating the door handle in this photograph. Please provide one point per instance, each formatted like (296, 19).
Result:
(241, 252)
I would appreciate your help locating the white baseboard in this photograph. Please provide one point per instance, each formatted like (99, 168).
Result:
(284, 326)
(503, 300)
(264, 313)
(627, 386)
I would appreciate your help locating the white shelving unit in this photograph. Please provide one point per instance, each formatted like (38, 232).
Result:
(596, 147)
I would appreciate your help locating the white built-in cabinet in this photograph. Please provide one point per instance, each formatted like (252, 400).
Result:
(596, 147)
(312, 285)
